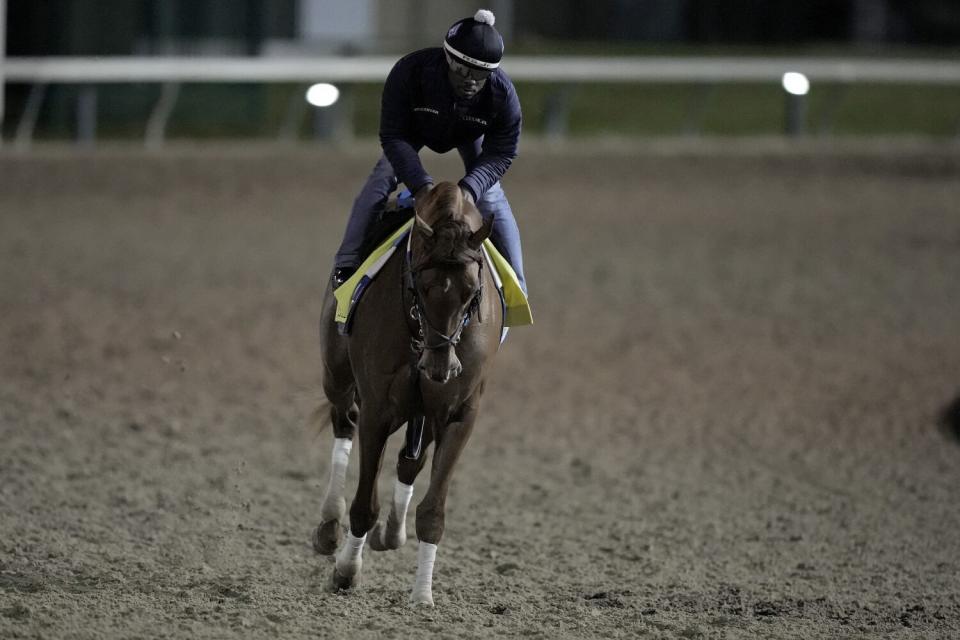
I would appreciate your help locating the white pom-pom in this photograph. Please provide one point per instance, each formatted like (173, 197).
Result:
(485, 16)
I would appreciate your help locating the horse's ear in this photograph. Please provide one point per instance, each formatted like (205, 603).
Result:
(425, 228)
(481, 234)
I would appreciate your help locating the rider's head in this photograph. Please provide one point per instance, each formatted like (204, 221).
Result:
(473, 49)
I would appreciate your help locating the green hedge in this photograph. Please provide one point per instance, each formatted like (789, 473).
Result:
(256, 110)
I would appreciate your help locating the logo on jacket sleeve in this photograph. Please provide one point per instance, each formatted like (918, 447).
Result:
(479, 121)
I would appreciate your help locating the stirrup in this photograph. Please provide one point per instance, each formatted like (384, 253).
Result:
(341, 275)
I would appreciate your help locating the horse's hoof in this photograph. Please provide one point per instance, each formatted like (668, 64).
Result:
(421, 600)
(382, 539)
(376, 537)
(339, 582)
(326, 537)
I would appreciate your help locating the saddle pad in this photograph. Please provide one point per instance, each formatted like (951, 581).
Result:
(517, 307)
(518, 311)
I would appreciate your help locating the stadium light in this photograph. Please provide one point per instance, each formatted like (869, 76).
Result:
(797, 86)
(323, 95)
(795, 83)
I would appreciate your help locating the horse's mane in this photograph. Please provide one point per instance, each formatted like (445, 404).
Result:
(446, 202)
(449, 244)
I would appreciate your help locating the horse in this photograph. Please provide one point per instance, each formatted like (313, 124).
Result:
(421, 344)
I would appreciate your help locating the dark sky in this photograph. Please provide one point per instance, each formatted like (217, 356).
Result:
(121, 27)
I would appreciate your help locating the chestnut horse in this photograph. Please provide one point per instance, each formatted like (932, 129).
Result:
(420, 344)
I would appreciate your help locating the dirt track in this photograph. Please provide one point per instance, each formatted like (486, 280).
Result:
(723, 424)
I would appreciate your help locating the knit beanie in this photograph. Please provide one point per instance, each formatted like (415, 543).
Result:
(474, 42)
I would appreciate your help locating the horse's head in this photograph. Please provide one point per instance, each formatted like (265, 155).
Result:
(447, 268)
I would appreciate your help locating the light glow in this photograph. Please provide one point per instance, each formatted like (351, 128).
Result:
(796, 83)
(323, 95)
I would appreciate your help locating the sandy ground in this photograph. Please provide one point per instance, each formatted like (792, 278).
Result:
(723, 425)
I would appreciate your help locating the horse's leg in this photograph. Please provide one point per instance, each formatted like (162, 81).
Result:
(365, 508)
(339, 387)
(327, 535)
(393, 534)
(450, 440)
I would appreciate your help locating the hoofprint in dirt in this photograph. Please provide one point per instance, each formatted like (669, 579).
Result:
(723, 424)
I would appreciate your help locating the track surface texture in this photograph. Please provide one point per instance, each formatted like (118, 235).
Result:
(723, 425)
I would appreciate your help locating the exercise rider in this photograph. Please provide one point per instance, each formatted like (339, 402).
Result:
(455, 96)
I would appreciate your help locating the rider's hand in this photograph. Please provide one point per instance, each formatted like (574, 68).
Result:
(467, 195)
(424, 190)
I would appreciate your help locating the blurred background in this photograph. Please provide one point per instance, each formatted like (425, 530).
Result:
(915, 100)
(742, 256)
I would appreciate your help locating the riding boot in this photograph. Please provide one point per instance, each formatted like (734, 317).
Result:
(378, 187)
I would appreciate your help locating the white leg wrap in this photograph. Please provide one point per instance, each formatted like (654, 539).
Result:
(394, 534)
(423, 585)
(334, 504)
(402, 493)
(350, 557)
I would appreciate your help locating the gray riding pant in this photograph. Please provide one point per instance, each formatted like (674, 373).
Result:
(383, 181)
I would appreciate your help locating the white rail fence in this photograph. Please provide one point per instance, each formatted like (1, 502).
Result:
(557, 70)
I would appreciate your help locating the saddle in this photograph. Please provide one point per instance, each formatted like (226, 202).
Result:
(389, 232)
(394, 213)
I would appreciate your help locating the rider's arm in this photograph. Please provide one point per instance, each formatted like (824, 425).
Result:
(395, 127)
(499, 147)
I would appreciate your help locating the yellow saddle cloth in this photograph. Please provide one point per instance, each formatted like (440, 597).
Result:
(516, 306)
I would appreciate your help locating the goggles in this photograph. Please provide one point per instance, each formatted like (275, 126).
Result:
(465, 72)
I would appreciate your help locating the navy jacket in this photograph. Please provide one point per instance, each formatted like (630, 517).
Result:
(419, 109)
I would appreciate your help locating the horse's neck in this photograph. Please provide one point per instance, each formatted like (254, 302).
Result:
(389, 288)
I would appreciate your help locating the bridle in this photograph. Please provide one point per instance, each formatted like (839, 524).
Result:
(428, 337)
